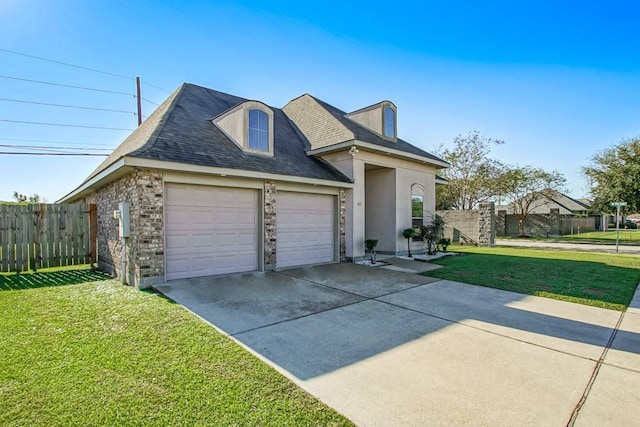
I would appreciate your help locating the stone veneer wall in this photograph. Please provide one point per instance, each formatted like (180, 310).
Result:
(270, 200)
(476, 227)
(145, 248)
(486, 224)
(144, 190)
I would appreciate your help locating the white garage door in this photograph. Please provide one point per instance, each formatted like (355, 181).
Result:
(305, 229)
(210, 230)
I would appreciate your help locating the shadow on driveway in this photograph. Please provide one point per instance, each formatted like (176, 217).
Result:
(315, 320)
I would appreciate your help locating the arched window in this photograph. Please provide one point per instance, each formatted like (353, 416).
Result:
(417, 205)
(389, 122)
(258, 130)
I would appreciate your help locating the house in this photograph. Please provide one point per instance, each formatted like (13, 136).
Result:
(220, 184)
(554, 199)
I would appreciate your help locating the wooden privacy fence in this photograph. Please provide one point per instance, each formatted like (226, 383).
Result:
(35, 236)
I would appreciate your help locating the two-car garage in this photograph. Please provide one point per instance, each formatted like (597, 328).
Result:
(217, 230)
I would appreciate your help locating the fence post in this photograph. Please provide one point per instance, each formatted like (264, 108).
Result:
(93, 232)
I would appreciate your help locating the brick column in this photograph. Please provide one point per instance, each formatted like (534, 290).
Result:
(486, 224)
(270, 255)
(342, 212)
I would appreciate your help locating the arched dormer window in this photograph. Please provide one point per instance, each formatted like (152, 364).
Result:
(250, 126)
(389, 122)
(258, 138)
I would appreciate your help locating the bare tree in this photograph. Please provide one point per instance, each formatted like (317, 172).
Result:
(527, 188)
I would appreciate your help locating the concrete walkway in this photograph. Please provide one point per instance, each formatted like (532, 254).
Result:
(623, 249)
(389, 348)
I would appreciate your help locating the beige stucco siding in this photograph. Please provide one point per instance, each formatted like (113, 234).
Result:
(380, 208)
(391, 214)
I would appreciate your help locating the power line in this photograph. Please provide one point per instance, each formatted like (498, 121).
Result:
(47, 141)
(61, 124)
(36, 149)
(150, 102)
(66, 106)
(64, 85)
(67, 64)
(80, 67)
(45, 147)
(52, 154)
(154, 86)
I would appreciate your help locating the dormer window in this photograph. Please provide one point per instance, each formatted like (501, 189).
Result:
(381, 118)
(250, 126)
(258, 130)
(389, 122)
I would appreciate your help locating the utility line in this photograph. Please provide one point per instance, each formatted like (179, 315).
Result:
(80, 67)
(61, 124)
(63, 85)
(48, 141)
(150, 102)
(67, 64)
(46, 147)
(145, 83)
(66, 106)
(37, 149)
(52, 154)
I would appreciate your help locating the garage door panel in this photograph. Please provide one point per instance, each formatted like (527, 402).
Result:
(305, 229)
(210, 230)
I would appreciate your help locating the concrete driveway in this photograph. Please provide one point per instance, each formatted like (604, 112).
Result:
(392, 348)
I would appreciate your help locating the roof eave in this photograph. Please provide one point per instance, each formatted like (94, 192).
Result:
(111, 173)
(379, 149)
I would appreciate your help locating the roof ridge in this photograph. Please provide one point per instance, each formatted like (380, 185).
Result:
(153, 134)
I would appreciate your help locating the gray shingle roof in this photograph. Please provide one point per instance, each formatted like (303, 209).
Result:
(365, 135)
(180, 130)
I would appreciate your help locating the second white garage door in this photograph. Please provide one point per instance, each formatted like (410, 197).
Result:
(305, 228)
(210, 230)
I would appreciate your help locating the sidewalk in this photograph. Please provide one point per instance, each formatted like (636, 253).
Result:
(590, 247)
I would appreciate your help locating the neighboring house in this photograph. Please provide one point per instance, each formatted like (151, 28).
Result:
(220, 184)
(566, 205)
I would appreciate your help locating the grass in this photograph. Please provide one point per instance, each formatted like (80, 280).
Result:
(626, 236)
(80, 349)
(596, 279)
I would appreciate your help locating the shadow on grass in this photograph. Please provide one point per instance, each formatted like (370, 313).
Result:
(16, 282)
(605, 285)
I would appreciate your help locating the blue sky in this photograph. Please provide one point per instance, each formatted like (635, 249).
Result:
(557, 81)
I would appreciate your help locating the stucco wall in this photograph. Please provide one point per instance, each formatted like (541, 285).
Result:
(380, 208)
(398, 217)
(370, 118)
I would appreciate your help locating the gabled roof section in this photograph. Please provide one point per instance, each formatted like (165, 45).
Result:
(181, 131)
(566, 202)
(363, 134)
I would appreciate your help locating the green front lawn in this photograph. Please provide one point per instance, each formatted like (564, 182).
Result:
(626, 236)
(79, 349)
(597, 279)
